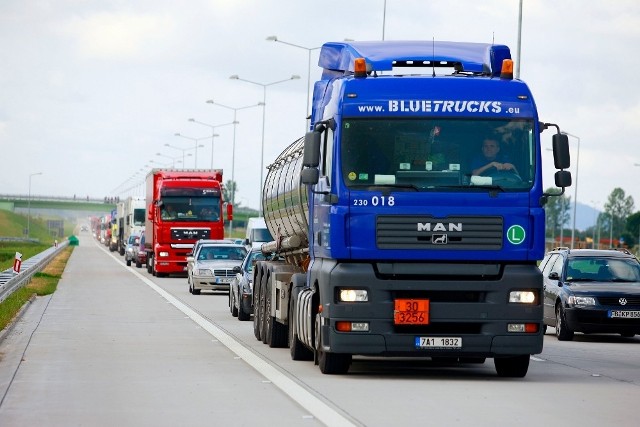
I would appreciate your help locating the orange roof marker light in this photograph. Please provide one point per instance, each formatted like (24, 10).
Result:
(507, 69)
(360, 67)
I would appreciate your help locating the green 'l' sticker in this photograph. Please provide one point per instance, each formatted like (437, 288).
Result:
(516, 234)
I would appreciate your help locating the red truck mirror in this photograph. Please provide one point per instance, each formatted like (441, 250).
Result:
(229, 212)
(151, 212)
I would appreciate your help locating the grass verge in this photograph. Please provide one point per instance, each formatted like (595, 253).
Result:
(42, 283)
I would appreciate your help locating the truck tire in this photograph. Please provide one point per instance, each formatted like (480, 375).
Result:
(265, 310)
(149, 264)
(298, 350)
(256, 303)
(512, 367)
(330, 363)
(276, 332)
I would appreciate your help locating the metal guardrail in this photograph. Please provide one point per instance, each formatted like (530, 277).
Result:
(11, 282)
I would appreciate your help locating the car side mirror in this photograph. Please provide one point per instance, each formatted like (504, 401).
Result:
(554, 275)
(237, 269)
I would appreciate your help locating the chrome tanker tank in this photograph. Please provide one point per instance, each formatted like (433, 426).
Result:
(284, 202)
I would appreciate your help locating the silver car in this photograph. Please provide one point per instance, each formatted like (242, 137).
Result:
(210, 267)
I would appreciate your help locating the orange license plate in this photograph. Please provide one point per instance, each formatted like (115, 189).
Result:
(411, 312)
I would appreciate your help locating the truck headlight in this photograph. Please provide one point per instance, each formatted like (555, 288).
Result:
(523, 297)
(574, 300)
(354, 295)
(163, 254)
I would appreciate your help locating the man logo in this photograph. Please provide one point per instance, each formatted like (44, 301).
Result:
(439, 239)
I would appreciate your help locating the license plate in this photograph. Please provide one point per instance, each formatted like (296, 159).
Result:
(411, 312)
(624, 314)
(223, 279)
(439, 342)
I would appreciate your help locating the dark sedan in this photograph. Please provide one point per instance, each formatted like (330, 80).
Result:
(241, 288)
(591, 291)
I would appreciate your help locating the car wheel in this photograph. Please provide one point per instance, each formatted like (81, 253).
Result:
(563, 331)
(128, 263)
(138, 264)
(242, 315)
(234, 308)
(512, 367)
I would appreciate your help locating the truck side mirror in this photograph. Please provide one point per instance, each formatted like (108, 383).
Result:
(561, 156)
(563, 179)
(229, 212)
(311, 156)
(310, 176)
(151, 212)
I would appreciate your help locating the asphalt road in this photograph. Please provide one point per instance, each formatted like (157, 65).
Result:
(116, 346)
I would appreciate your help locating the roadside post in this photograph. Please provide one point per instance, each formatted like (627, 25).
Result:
(17, 262)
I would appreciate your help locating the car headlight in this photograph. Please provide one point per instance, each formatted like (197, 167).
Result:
(130, 250)
(204, 272)
(574, 300)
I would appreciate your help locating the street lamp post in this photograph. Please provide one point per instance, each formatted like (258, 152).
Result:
(195, 140)
(29, 203)
(308, 49)
(264, 109)
(233, 148)
(173, 159)
(183, 151)
(575, 190)
(213, 133)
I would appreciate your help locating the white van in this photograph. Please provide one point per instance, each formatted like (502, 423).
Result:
(257, 233)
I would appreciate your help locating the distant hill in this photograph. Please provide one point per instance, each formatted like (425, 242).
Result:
(586, 216)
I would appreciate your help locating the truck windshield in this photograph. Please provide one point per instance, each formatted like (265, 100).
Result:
(431, 154)
(138, 216)
(190, 208)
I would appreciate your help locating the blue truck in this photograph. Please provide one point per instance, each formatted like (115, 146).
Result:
(409, 219)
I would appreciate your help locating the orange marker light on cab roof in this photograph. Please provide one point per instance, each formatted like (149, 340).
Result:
(507, 69)
(360, 67)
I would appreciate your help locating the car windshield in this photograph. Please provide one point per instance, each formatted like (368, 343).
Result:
(432, 154)
(588, 269)
(253, 257)
(222, 253)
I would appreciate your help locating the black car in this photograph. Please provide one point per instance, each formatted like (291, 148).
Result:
(591, 291)
(241, 287)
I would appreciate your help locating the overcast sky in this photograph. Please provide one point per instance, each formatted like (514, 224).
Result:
(91, 90)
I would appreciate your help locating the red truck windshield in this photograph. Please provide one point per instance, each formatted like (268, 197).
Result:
(190, 209)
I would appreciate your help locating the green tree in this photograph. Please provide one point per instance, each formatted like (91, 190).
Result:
(228, 190)
(557, 212)
(618, 208)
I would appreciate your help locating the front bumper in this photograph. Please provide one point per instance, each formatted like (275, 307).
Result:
(211, 283)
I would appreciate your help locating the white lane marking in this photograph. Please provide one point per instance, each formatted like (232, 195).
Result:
(536, 359)
(295, 391)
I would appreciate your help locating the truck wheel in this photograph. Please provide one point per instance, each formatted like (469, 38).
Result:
(265, 333)
(277, 333)
(149, 264)
(330, 363)
(298, 350)
(121, 251)
(512, 367)
(256, 304)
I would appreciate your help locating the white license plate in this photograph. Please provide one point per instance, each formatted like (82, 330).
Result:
(624, 314)
(223, 279)
(438, 342)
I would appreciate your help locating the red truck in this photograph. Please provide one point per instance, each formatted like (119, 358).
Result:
(183, 206)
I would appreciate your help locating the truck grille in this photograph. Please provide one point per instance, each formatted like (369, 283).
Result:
(449, 233)
(189, 233)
